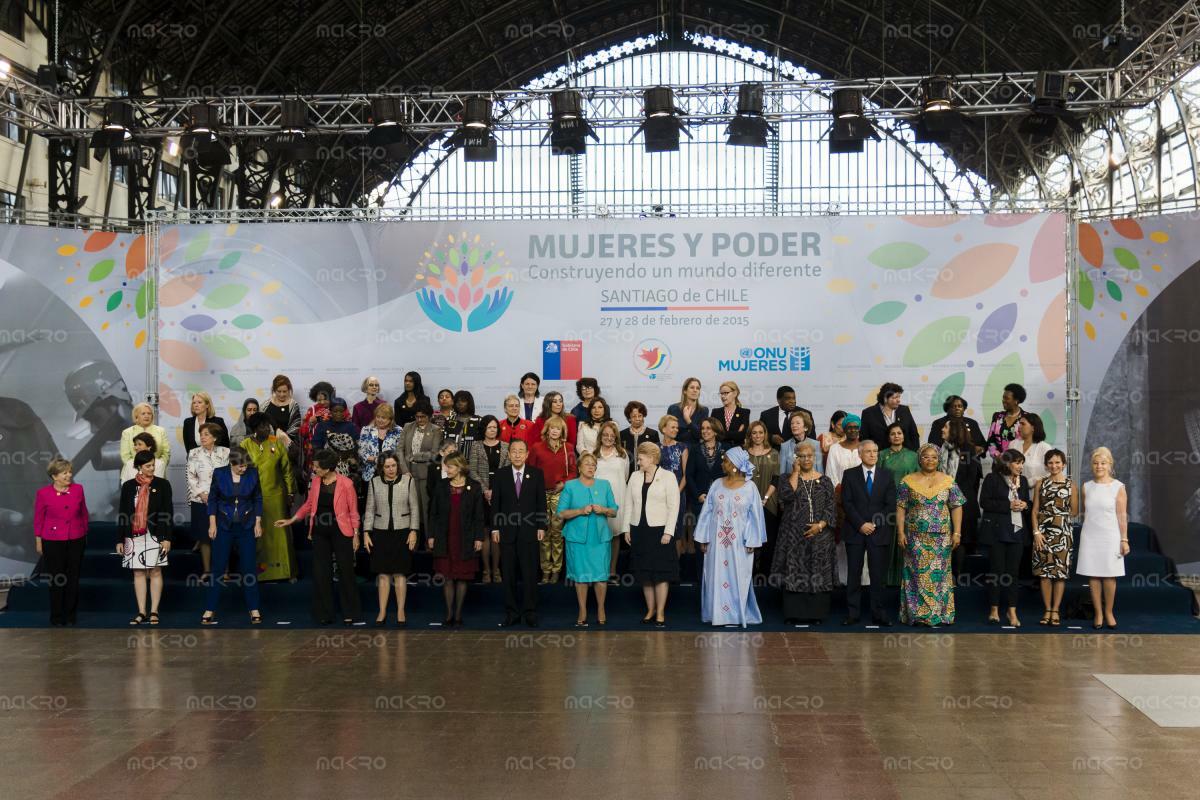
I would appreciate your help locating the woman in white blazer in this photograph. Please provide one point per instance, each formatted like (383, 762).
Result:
(648, 517)
(390, 526)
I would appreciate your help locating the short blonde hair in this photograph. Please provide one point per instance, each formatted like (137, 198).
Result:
(1104, 454)
(386, 411)
(554, 422)
(650, 449)
(57, 465)
(586, 456)
(209, 411)
(138, 407)
(666, 418)
(510, 397)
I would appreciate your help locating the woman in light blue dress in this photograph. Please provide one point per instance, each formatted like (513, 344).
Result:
(731, 526)
(585, 506)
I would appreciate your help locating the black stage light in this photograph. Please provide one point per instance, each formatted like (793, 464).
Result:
(749, 128)
(200, 143)
(569, 131)
(850, 126)
(662, 124)
(1050, 94)
(119, 122)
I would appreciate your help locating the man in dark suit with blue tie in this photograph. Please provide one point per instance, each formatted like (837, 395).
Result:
(869, 500)
(518, 525)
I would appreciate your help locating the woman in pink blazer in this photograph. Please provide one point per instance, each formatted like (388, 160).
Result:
(60, 521)
(332, 513)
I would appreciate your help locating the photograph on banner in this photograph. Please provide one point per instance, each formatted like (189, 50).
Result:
(1139, 341)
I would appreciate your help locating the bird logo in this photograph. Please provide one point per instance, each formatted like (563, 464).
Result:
(651, 357)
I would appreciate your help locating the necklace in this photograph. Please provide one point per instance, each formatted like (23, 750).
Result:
(808, 491)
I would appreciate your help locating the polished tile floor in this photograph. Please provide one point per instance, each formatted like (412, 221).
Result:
(358, 714)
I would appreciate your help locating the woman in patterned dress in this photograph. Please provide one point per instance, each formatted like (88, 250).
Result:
(928, 519)
(1055, 502)
(804, 563)
(675, 459)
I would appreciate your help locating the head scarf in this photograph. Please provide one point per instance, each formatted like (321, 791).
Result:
(851, 419)
(741, 461)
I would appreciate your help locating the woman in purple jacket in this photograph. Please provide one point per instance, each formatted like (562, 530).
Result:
(60, 521)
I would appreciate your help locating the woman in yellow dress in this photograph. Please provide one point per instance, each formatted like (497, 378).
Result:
(276, 551)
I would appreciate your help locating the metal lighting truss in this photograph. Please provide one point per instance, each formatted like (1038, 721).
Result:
(44, 113)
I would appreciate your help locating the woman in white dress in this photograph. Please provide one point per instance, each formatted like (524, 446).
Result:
(588, 431)
(1033, 446)
(612, 465)
(1104, 540)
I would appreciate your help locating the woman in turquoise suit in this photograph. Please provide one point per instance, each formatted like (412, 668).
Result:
(586, 505)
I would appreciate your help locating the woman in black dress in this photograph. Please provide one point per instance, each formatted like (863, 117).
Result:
(703, 467)
(958, 457)
(805, 562)
(456, 531)
(406, 404)
(390, 525)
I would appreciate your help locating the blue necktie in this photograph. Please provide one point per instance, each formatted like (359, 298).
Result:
(870, 481)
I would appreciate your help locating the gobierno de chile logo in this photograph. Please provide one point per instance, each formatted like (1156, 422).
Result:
(463, 279)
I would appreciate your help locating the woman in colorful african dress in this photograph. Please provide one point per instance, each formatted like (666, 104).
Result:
(928, 519)
(1055, 502)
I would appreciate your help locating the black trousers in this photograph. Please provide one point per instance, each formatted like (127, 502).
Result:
(61, 563)
(519, 557)
(330, 544)
(877, 567)
(1005, 562)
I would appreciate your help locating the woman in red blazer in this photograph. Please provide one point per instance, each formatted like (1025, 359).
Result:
(514, 426)
(332, 512)
(553, 405)
(60, 522)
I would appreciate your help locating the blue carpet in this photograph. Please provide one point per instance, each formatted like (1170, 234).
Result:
(1147, 600)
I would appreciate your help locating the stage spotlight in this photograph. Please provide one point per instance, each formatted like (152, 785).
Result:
(386, 122)
(1050, 94)
(388, 133)
(749, 128)
(275, 200)
(850, 127)
(662, 124)
(474, 137)
(569, 131)
(200, 142)
(477, 113)
(292, 140)
(118, 126)
(56, 78)
(939, 119)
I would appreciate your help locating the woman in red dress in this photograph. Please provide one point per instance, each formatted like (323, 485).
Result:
(456, 531)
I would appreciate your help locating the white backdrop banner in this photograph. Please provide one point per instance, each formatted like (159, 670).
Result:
(831, 305)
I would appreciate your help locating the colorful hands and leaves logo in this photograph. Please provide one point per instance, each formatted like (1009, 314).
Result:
(462, 278)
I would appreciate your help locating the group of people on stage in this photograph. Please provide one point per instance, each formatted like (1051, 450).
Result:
(542, 493)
